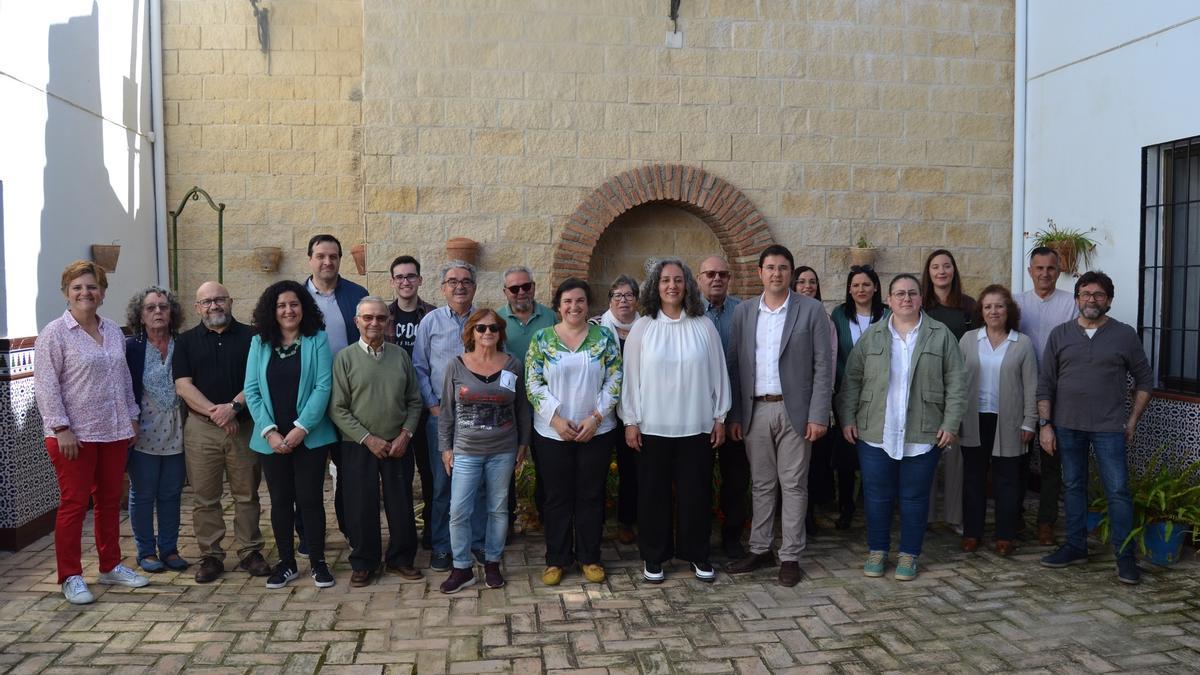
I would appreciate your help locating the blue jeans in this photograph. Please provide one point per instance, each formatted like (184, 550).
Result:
(155, 481)
(439, 518)
(1114, 474)
(472, 472)
(886, 481)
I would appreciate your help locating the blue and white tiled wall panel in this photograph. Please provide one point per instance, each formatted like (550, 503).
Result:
(28, 487)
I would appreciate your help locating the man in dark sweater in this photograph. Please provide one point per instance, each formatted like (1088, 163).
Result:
(1081, 400)
(376, 406)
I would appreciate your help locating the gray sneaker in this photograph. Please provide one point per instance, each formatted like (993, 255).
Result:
(76, 592)
(123, 576)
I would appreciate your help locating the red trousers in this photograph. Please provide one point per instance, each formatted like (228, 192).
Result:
(98, 473)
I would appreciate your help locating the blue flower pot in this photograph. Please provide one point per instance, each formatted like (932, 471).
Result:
(1164, 550)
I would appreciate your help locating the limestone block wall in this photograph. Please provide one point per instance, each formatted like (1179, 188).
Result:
(275, 135)
(835, 117)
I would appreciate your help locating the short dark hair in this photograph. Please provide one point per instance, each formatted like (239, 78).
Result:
(321, 239)
(624, 280)
(1012, 317)
(311, 318)
(904, 275)
(468, 334)
(571, 284)
(1042, 250)
(405, 260)
(777, 249)
(1095, 277)
(801, 270)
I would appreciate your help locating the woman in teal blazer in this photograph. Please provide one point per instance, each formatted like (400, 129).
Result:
(289, 376)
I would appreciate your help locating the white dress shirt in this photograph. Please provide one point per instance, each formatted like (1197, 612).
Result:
(989, 371)
(768, 338)
(895, 419)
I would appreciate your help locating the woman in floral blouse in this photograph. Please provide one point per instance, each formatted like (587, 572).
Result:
(573, 370)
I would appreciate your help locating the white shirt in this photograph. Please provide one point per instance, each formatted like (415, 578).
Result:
(1039, 317)
(768, 337)
(989, 370)
(375, 353)
(896, 417)
(860, 324)
(335, 324)
(676, 383)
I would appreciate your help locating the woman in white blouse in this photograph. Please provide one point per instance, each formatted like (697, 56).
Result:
(1000, 417)
(675, 397)
(573, 375)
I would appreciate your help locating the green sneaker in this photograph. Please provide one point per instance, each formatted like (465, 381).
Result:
(906, 567)
(875, 562)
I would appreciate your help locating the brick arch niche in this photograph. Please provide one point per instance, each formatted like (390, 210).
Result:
(733, 218)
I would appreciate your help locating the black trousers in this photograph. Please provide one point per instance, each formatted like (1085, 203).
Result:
(734, 494)
(687, 464)
(1050, 475)
(574, 476)
(627, 479)
(297, 480)
(1006, 484)
(845, 464)
(820, 471)
(339, 504)
(363, 473)
(419, 448)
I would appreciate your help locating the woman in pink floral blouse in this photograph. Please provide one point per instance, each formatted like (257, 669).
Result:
(89, 416)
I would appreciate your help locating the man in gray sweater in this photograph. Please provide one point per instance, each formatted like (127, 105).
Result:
(376, 405)
(1081, 401)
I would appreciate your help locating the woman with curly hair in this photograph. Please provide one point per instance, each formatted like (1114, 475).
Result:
(674, 400)
(155, 465)
(289, 376)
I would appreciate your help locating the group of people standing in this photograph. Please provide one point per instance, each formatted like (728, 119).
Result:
(676, 377)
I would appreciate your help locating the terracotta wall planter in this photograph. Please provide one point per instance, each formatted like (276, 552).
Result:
(268, 258)
(105, 255)
(862, 256)
(359, 253)
(461, 248)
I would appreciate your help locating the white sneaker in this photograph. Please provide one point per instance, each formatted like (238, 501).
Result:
(76, 592)
(123, 576)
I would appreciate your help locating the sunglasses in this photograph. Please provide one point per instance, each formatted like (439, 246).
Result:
(711, 274)
(521, 288)
(482, 328)
(861, 268)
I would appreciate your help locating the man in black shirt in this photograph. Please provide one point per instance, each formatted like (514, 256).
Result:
(406, 312)
(210, 370)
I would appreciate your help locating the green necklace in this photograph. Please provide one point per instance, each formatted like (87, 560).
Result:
(290, 350)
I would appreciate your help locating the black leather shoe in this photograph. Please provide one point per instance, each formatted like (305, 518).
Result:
(752, 562)
(256, 565)
(210, 570)
(789, 573)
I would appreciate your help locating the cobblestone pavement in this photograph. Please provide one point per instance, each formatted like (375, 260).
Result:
(965, 613)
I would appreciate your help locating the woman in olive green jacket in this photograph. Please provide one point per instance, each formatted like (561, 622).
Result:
(901, 402)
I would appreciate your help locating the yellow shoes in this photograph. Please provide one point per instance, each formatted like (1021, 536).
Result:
(593, 573)
(552, 576)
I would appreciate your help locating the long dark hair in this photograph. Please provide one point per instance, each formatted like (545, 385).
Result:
(848, 307)
(955, 298)
(652, 303)
(801, 270)
(311, 318)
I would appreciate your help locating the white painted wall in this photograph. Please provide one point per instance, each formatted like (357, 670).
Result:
(1105, 79)
(75, 160)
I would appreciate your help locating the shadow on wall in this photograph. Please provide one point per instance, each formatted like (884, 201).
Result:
(79, 204)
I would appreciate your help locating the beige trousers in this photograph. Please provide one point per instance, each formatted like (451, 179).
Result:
(779, 458)
(211, 457)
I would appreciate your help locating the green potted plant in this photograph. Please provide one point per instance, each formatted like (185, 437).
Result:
(862, 252)
(1073, 246)
(1166, 508)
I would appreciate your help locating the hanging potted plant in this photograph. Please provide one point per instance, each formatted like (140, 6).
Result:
(1072, 246)
(862, 253)
(1166, 509)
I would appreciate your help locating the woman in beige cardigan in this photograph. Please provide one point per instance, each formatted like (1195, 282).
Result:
(1000, 417)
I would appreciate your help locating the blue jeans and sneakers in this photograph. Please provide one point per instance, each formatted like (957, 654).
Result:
(886, 481)
(1114, 474)
(439, 518)
(475, 475)
(155, 485)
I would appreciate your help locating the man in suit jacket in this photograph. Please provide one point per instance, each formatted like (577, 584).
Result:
(781, 371)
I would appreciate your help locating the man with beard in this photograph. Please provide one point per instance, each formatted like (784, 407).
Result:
(1081, 401)
(210, 371)
(523, 317)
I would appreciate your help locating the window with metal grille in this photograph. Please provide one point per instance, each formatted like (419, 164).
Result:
(1169, 306)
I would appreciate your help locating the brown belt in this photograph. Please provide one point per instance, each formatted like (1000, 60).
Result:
(769, 398)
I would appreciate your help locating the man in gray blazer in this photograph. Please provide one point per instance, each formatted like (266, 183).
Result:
(781, 369)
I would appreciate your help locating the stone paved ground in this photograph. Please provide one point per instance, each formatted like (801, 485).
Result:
(976, 613)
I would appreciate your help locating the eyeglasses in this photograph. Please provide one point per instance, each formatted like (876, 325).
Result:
(376, 318)
(1098, 295)
(482, 328)
(619, 297)
(900, 295)
(715, 274)
(162, 307)
(407, 278)
(855, 269)
(209, 302)
(521, 288)
(459, 283)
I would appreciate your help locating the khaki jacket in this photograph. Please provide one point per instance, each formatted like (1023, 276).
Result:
(937, 384)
